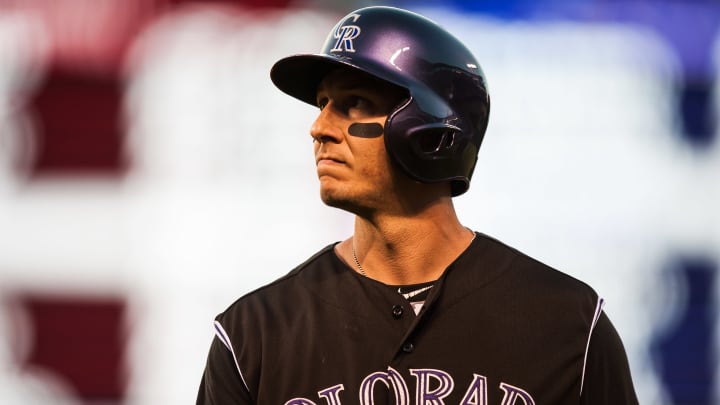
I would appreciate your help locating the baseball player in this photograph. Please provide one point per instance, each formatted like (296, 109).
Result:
(413, 308)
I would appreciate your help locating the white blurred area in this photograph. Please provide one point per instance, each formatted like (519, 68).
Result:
(582, 167)
(22, 49)
(224, 196)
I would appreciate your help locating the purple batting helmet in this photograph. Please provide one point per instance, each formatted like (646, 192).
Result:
(435, 135)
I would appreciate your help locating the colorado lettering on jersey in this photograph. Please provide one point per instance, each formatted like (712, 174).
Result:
(441, 382)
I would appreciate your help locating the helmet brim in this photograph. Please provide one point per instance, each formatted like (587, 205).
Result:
(300, 75)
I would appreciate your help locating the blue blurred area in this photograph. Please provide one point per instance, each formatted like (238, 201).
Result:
(684, 355)
(689, 27)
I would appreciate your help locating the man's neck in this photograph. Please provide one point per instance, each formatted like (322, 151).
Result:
(406, 250)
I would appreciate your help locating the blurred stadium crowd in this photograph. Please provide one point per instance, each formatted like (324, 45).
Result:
(150, 174)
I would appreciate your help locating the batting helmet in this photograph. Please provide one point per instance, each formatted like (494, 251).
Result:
(435, 135)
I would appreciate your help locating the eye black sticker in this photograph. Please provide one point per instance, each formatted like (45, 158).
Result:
(365, 130)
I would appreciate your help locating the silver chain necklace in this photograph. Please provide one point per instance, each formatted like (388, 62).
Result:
(360, 268)
(357, 262)
(407, 295)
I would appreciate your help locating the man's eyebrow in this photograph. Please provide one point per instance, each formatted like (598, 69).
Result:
(341, 85)
(350, 82)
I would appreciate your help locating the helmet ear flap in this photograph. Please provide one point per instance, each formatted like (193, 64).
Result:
(427, 149)
(434, 141)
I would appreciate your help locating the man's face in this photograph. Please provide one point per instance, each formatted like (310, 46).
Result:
(352, 164)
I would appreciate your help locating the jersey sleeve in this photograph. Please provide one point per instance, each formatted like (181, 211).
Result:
(607, 378)
(221, 381)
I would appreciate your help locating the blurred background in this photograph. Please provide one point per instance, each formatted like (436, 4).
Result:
(150, 174)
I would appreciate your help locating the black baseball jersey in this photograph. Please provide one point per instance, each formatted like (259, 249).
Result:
(497, 328)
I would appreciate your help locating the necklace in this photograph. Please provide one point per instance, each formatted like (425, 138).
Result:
(360, 268)
(357, 262)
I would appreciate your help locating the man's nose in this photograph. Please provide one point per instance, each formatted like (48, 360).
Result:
(327, 126)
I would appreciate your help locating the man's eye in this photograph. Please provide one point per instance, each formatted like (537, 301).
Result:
(322, 103)
(359, 105)
(358, 102)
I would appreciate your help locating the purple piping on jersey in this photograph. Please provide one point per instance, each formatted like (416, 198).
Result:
(223, 336)
(598, 311)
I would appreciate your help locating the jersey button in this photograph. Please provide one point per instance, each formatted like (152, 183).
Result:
(397, 311)
(408, 347)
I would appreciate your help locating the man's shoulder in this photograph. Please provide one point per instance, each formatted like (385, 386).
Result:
(531, 270)
(283, 288)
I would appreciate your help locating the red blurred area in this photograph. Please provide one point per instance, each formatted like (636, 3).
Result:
(78, 124)
(82, 340)
(242, 3)
(88, 35)
(77, 108)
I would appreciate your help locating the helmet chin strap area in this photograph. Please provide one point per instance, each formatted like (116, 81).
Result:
(365, 130)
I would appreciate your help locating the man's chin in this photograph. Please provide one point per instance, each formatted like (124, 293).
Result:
(334, 200)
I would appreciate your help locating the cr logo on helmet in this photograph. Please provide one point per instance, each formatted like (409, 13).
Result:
(345, 35)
